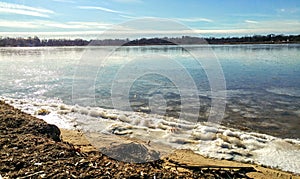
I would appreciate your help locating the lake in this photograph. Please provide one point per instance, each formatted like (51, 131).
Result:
(262, 81)
(253, 91)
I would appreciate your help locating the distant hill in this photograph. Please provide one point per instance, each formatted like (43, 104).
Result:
(184, 40)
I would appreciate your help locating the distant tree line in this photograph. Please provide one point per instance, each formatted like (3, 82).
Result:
(36, 42)
(256, 39)
(267, 39)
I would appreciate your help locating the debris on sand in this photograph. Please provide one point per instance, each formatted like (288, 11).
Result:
(42, 112)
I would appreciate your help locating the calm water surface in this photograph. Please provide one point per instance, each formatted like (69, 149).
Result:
(262, 81)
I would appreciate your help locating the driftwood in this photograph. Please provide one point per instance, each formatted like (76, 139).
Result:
(215, 170)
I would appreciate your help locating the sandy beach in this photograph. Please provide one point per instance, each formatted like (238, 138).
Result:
(31, 148)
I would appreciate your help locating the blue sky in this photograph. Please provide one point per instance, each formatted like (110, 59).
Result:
(84, 18)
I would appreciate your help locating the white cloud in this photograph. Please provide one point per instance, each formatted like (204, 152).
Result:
(63, 25)
(23, 7)
(193, 19)
(251, 21)
(132, 34)
(197, 19)
(276, 25)
(38, 24)
(91, 24)
(78, 25)
(197, 32)
(101, 9)
(19, 24)
(128, 1)
(93, 30)
(128, 17)
(24, 10)
(65, 1)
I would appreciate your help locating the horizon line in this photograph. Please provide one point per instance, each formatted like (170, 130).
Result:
(79, 35)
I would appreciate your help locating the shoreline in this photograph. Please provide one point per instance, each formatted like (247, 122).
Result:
(184, 40)
(154, 45)
(20, 156)
(184, 159)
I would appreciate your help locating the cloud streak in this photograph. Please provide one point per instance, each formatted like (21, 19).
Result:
(19, 24)
(64, 1)
(44, 25)
(93, 30)
(193, 19)
(77, 25)
(251, 21)
(24, 10)
(102, 34)
(197, 19)
(101, 9)
(128, 1)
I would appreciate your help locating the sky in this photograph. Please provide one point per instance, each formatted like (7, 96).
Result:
(89, 18)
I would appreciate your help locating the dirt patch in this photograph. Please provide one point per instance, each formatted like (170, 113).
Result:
(31, 148)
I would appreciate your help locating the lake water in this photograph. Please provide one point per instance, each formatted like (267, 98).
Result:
(166, 94)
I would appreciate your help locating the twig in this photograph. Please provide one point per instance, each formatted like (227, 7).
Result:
(36, 173)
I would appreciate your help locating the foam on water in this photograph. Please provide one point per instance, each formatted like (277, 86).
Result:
(207, 139)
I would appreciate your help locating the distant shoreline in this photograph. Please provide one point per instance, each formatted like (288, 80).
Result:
(184, 40)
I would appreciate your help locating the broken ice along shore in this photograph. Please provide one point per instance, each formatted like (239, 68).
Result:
(205, 138)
